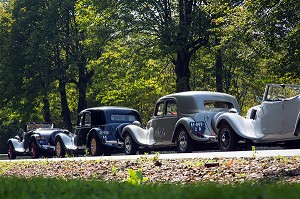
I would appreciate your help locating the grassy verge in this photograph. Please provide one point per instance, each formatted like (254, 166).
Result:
(55, 188)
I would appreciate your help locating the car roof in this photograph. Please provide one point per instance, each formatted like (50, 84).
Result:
(108, 108)
(191, 101)
(203, 94)
(292, 85)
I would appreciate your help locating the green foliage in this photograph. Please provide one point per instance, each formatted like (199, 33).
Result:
(127, 75)
(86, 153)
(50, 188)
(127, 53)
(114, 170)
(136, 177)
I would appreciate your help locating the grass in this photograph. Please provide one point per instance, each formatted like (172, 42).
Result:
(55, 188)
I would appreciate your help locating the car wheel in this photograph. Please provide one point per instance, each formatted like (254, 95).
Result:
(60, 149)
(185, 144)
(11, 151)
(34, 150)
(227, 139)
(130, 146)
(95, 148)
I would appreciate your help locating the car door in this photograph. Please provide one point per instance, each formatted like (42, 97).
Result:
(82, 128)
(157, 121)
(164, 120)
(291, 109)
(271, 117)
(170, 119)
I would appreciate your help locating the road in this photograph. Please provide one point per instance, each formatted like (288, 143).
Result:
(234, 154)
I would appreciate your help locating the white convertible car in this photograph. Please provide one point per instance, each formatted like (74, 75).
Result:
(275, 120)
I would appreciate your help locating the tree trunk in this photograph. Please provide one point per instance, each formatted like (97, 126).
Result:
(219, 68)
(182, 71)
(82, 85)
(65, 111)
(46, 110)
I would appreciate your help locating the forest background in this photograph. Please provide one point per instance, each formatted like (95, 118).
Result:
(58, 57)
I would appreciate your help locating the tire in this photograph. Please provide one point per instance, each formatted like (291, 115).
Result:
(184, 143)
(95, 148)
(11, 152)
(60, 149)
(34, 150)
(130, 146)
(227, 139)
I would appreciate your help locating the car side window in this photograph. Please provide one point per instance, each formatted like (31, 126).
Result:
(87, 119)
(171, 108)
(159, 110)
(80, 120)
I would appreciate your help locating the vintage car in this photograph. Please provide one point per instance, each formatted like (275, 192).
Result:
(36, 140)
(275, 120)
(179, 120)
(98, 131)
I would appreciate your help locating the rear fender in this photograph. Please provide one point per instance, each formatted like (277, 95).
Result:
(119, 130)
(183, 123)
(297, 126)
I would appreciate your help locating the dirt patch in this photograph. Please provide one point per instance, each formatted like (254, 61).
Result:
(220, 170)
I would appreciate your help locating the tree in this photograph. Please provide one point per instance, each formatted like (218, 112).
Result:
(127, 74)
(181, 27)
(278, 22)
(47, 54)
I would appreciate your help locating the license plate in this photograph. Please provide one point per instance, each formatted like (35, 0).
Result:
(197, 127)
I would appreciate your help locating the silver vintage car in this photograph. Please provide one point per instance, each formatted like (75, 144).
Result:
(180, 119)
(275, 120)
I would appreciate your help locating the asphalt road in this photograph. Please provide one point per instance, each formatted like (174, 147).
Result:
(234, 154)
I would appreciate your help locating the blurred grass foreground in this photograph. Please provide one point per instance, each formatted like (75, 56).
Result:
(12, 187)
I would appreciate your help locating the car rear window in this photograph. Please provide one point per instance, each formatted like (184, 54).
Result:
(212, 105)
(123, 118)
(98, 118)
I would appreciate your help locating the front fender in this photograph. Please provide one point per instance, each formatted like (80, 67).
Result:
(239, 124)
(94, 132)
(139, 135)
(18, 146)
(33, 139)
(67, 140)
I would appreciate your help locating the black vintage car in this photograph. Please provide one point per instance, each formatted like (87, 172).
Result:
(37, 139)
(98, 131)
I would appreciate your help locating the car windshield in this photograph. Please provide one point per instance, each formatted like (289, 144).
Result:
(277, 92)
(123, 117)
(215, 106)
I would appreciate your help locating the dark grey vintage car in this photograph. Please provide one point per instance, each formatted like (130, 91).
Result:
(36, 140)
(98, 131)
(180, 119)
